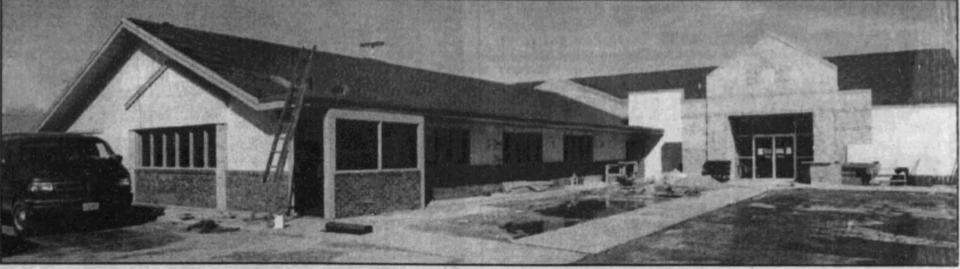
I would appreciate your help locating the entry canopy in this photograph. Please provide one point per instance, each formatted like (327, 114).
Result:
(800, 123)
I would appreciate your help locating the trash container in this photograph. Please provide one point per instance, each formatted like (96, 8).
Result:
(858, 173)
(717, 169)
(901, 176)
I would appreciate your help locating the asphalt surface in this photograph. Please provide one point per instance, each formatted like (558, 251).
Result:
(781, 227)
(807, 227)
(123, 231)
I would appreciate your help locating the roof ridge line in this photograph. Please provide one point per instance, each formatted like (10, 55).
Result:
(191, 64)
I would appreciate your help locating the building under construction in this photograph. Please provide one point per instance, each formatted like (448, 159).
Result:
(206, 119)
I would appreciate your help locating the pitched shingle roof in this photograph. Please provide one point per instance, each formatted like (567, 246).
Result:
(248, 63)
(895, 78)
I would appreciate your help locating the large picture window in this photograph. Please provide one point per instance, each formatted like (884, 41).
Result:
(181, 147)
(356, 145)
(368, 145)
(448, 146)
(522, 148)
(577, 148)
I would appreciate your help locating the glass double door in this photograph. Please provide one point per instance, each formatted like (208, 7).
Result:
(774, 156)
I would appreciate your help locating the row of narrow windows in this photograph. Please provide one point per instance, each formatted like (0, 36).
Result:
(452, 146)
(362, 145)
(181, 147)
(366, 145)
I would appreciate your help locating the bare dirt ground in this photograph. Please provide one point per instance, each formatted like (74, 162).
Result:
(140, 237)
(806, 227)
(521, 218)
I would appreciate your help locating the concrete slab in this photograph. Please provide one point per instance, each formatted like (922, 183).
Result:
(601, 234)
(388, 256)
(470, 250)
(932, 189)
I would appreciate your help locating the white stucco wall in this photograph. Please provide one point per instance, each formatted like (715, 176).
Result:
(772, 66)
(902, 135)
(552, 146)
(657, 109)
(171, 101)
(106, 116)
(586, 95)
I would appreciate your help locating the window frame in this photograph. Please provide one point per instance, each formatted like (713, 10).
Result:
(455, 138)
(330, 130)
(159, 139)
(587, 156)
(510, 147)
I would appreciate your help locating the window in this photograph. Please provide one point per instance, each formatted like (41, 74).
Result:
(522, 147)
(356, 145)
(399, 145)
(577, 148)
(198, 139)
(64, 149)
(365, 145)
(145, 155)
(169, 147)
(157, 151)
(449, 146)
(671, 156)
(182, 147)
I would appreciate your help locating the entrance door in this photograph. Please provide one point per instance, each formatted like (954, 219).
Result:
(763, 156)
(774, 156)
(784, 156)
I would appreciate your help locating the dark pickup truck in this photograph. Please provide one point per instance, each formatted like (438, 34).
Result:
(58, 174)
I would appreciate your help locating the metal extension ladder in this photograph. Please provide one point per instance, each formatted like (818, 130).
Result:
(289, 117)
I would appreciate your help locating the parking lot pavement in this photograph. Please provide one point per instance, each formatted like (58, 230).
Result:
(781, 226)
(597, 235)
(807, 226)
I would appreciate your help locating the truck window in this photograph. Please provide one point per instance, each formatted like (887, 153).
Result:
(67, 149)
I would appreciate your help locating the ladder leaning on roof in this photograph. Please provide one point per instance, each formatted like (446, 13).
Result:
(289, 116)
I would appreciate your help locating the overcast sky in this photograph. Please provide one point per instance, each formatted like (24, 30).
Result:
(46, 43)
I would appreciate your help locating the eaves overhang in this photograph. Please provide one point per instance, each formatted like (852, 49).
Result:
(115, 43)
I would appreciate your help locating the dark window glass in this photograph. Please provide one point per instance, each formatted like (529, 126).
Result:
(449, 146)
(64, 149)
(577, 148)
(399, 145)
(743, 145)
(211, 146)
(145, 149)
(183, 148)
(671, 156)
(805, 145)
(356, 145)
(157, 139)
(198, 149)
(169, 141)
(522, 147)
(174, 147)
(746, 167)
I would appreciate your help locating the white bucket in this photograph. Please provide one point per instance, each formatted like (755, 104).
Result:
(278, 222)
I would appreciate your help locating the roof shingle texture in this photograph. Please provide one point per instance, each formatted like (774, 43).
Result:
(249, 63)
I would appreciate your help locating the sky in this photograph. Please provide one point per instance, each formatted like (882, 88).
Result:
(47, 42)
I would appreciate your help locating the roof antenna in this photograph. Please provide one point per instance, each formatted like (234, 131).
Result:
(372, 47)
